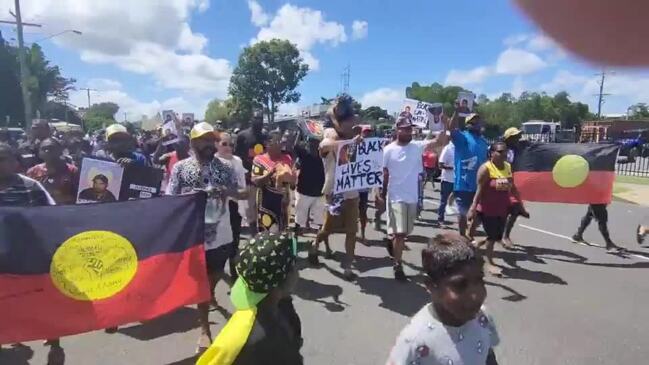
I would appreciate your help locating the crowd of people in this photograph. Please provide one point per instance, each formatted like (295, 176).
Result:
(281, 188)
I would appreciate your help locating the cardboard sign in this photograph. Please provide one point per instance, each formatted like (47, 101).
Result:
(359, 166)
(417, 111)
(465, 103)
(106, 181)
(140, 182)
(99, 181)
(188, 120)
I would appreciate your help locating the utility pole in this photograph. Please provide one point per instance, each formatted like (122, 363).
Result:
(88, 90)
(24, 71)
(601, 94)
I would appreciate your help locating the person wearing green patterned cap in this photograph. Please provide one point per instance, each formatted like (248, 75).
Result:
(265, 325)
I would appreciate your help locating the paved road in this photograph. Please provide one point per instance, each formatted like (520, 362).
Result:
(561, 303)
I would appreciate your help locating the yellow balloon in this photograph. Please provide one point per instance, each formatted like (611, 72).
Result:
(258, 149)
(570, 171)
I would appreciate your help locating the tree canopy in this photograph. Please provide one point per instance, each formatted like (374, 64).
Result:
(267, 74)
(231, 112)
(100, 115)
(45, 81)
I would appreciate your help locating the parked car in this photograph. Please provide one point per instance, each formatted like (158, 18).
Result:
(634, 143)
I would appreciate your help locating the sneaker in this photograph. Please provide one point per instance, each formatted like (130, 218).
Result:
(399, 274)
(613, 248)
(577, 238)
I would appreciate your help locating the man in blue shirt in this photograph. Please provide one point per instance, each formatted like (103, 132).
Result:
(470, 154)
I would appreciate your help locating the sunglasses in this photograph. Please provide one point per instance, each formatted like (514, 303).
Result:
(226, 144)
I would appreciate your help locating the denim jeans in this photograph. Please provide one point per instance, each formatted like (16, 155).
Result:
(447, 189)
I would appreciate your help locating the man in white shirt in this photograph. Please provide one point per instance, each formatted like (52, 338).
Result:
(402, 164)
(446, 162)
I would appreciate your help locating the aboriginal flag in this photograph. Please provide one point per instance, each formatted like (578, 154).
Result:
(72, 269)
(566, 172)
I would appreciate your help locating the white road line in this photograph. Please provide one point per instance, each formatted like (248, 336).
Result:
(642, 257)
(431, 201)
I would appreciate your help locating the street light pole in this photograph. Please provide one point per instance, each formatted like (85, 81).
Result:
(24, 71)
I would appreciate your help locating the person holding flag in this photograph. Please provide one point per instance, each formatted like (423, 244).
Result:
(265, 328)
(205, 172)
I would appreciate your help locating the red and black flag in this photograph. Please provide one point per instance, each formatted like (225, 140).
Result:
(71, 269)
(577, 173)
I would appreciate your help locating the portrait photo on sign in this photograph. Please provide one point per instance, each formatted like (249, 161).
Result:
(464, 103)
(188, 119)
(416, 111)
(99, 181)
(435, 113)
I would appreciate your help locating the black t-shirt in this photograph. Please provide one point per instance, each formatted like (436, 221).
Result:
(249, 145)
(274, 337)
(312, 175)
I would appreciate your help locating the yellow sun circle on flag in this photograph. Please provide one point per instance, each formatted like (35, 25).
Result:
(258, 149)
(570, 171)
(266, 220)
(93, 265)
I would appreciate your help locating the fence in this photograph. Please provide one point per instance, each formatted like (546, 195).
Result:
(633, 167)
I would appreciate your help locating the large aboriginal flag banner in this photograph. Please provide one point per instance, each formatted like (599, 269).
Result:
(71, 269)
(566, 172)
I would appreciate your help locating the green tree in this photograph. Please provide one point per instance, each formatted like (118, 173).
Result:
(435, 93)
(230, 112)
(639, 110)
(267, 74)
(375, 113)
(61, 111)
(100, 115)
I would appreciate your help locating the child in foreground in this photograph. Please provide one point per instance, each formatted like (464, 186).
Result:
(453, 329)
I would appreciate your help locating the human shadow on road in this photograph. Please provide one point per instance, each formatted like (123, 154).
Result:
(514, 271)
(405, 298)
(514, 296)
(182, 320)
(17, 354)
(316, 292)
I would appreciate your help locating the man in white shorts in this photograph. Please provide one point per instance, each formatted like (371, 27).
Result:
(402, 164)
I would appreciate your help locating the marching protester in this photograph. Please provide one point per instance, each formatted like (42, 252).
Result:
(512, 138)
(204, 172)
(402, 164)
(29, 149)
(342, 209)
(169, 159)
(454, 327)
(272, 174)
(265, 328)
(600, 213)
(250, 143)
(363, 195)
(470, 154)
(224, 152)
(309, 201)
(431, 165)
(447, 177)
(120, 147)
(492, 199)
(58, 177)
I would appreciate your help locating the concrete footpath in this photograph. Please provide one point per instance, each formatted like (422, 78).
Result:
(632, 193)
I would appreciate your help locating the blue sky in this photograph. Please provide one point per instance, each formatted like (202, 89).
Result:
(149, 55)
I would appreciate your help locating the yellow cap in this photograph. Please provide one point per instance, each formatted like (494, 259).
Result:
(469, 118)
(510, 132)
(201, 129)
(114, 129)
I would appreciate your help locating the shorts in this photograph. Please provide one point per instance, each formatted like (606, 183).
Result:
(401, 217)
(363, 197)
(494, 227)
(345, 222)
(309, 206)
(463, 200)
(215, 258)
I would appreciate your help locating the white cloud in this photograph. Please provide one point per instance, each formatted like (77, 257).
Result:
(539, 42)
(387, 98)
(462, 77)
(518, 86)
(514, 61)
(148, 37)
(359, 29)
(303, 27)
(564, 80)
(257, 15)
(132, 106)
(515, 39)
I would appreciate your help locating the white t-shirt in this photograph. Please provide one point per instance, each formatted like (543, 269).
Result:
(239, 170)
(427, 341)
(404, 164)
(448, 159)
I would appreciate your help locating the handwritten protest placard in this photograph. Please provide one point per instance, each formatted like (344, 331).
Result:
(359, 166)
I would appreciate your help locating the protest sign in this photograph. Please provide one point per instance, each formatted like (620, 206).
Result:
(417, 111)
(188, 119)
(311, 128)
(140, 182)
(464, 103)
(436, 117)
(99, 181)
(359, 166)
(169, 126)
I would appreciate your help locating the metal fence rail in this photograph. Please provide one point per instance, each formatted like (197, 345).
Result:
(633, 167)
